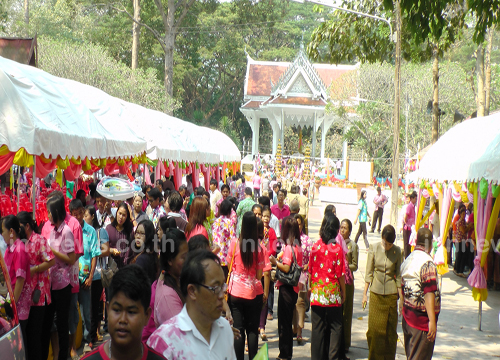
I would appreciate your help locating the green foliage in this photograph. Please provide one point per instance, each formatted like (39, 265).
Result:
(435, 21)
(487, 14)
(90, 64)
(370, 130)
(351, 38)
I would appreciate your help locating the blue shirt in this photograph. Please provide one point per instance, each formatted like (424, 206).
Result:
(363, 211)
(91, 249)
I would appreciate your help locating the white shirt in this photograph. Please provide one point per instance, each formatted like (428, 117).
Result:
(275, 224)
(214, 197)
(3, 245)
(178, 338)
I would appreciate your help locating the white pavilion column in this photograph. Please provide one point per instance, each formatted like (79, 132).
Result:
(255, 135)
(282, 130)
(323, 138)
(314, 136)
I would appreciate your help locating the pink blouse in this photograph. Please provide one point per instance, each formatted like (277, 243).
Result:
(17, 261)
(167, 303)
(243, 282)
(39, 251)
(198, 229)
(61, 274)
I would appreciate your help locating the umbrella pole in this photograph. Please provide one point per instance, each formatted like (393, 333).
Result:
(480, 315)
(33, 190)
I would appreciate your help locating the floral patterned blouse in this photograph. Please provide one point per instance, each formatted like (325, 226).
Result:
(326, 266)
(306, 245)
(39, 252)
(223, 232)
(17, 262)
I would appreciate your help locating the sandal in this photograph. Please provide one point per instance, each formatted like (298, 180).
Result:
(299, 340)
(263, 335)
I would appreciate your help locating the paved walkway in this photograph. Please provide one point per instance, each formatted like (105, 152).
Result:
(457, 337)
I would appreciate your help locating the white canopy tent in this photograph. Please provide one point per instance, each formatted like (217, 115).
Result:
(167, 137)
(41, 115)
(451, 159)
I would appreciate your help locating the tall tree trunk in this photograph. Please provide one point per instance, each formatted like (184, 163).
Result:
(395, 144)
(480, 81)
(435, 95)
(136, 32)
(487, 76)
(27, 15)
(169, 55)
(169, 71)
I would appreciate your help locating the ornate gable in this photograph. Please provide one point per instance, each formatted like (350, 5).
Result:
(300, 78)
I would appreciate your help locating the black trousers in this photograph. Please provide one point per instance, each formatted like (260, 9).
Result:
(24, 324)
(326, 334)
(362, 229)
(60, 307)
(406, 242)
(287, 299)
(246, 316)
(34, 330)
(377, 215)
(460, 256)
(95, 309)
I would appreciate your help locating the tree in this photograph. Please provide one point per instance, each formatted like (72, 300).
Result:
(136, 33)
(172, 16)
(91, 65)
(447, 19)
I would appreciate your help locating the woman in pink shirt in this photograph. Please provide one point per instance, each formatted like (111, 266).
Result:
(62, 244)
(245, 287)
(288, 295)
(197, 215)
(166, 297)
(18, 264)
(41, 260)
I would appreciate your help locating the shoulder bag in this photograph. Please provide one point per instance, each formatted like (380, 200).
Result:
(109, 269)
(293, 275)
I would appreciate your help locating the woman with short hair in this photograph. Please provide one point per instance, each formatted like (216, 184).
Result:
(383, 278)
(327, 270)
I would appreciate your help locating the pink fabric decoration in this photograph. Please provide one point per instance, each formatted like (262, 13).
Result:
(217, 175)
(476, 278)
(146, 174)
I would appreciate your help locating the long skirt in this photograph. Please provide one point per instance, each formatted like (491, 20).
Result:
(348, 307)
(382, 333)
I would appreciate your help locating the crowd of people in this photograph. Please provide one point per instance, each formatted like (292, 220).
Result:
(167, 268)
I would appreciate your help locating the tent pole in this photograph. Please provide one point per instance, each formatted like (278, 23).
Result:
(33, 190)
(18, 187)
(480, 315)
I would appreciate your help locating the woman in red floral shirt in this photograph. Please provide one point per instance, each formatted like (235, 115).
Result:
(327, 269)
(41, 259)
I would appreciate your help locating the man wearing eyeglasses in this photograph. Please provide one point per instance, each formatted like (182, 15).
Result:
(198, 331)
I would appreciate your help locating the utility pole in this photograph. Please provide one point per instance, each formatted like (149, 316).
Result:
(395, 144)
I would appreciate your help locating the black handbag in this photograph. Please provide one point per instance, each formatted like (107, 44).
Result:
(292, 276)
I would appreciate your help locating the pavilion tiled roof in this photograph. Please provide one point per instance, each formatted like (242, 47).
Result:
(262, 75)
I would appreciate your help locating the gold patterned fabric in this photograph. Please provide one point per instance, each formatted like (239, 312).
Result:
(382, 333)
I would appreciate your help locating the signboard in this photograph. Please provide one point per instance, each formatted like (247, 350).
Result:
(360, 172)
